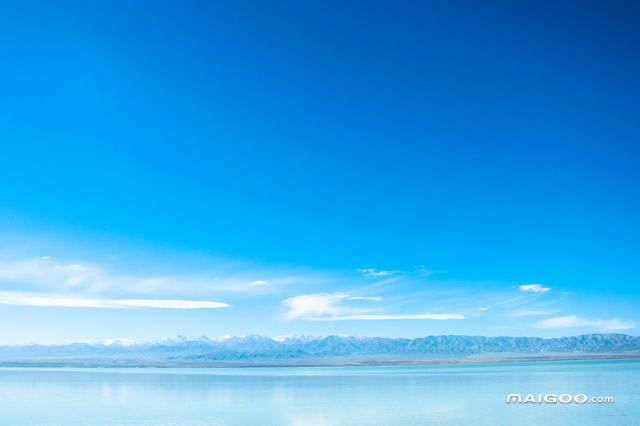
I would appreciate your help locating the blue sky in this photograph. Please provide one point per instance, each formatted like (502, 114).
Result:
(382, 169)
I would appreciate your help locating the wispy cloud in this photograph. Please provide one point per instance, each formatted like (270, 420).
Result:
(571, 321)
(45, 272)
(529, 313)
(378, 272)
(28, 299)
(536, 288)
(392, 317)
(54, 275)
(57, 275)
(423, 271)
(331, 307)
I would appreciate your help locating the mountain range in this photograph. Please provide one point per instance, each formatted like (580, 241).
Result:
(258, 350)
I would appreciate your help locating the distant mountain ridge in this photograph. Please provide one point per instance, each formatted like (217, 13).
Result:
(262, 350)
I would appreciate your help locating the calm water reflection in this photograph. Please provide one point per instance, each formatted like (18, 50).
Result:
(398, 395)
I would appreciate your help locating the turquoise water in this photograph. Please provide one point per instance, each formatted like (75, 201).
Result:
(391, 395)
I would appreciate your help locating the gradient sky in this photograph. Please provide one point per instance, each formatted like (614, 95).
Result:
(368, 168)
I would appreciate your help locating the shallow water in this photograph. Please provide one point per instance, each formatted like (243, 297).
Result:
(472, 394)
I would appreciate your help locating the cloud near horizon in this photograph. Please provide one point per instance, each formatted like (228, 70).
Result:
(331, 307)
(571, 321)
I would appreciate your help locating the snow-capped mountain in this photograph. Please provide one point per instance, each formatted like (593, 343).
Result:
(263, 350)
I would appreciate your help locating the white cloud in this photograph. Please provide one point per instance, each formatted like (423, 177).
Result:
(536, 288)
(483, 309)
(378, 272)
(170, 304)
(312, 305)
(331, 307)
(571, 321)
(392, 317)
(29, 299)
(258, 283)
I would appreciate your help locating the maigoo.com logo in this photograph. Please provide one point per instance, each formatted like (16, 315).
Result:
(552, 398)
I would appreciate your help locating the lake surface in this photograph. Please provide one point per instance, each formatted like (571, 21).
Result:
(473, 394)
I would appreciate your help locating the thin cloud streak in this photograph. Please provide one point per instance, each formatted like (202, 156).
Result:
(392, 317)
(21, 299)
(571, 321)
(528, 313)
(378, 272)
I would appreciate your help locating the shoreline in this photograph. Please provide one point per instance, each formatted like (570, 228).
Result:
(131, 364)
